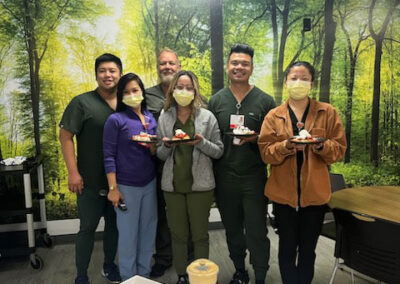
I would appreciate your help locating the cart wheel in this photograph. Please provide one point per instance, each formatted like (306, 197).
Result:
(38, 263)
(47, 240)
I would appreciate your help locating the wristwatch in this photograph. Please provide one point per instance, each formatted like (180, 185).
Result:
(112, 187)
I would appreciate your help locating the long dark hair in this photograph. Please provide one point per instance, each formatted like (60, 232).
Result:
(197, 101)
(120, 89)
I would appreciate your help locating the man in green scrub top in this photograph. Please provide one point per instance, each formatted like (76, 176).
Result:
(84, 118)
(241, 174)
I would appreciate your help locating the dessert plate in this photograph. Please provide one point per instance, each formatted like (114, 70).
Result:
(153, 139)
(180, 141)
(313, 140)
(241, 135)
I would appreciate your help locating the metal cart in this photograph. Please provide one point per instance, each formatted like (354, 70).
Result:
(25, 170)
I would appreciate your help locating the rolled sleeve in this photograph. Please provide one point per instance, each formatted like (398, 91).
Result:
(73, 117)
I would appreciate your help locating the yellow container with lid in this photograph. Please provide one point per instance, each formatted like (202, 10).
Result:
(202, 271)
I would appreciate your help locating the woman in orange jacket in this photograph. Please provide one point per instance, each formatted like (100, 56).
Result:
(299, 185)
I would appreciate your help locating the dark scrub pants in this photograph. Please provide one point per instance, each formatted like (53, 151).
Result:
(155, 99)
(243, 209)
(91, 207)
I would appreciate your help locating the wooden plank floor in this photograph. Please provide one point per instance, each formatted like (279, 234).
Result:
(59, 264)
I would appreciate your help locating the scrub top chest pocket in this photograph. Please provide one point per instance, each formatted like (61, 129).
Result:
(253, 121)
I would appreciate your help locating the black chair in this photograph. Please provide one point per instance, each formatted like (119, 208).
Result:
(368, 245)
(329, 227)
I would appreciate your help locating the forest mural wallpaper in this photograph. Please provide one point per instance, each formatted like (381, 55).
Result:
(48, 48)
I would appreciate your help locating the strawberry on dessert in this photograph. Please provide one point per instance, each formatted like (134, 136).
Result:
(180, 135)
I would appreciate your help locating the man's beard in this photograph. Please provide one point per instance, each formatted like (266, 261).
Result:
(166, 79)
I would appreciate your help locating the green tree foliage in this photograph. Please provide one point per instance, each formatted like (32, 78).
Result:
(174, 24)
(32, 23)
(66, 44)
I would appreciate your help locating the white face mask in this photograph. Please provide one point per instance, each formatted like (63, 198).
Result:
(132, 100)
(183, 97)
(299, 89)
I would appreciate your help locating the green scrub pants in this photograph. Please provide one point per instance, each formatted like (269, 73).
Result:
(188, 212)
(243, 209)
(91, 207)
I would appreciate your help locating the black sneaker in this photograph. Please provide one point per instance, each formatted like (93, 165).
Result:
(183, 279)
(82, 280)
(240, 277)
(158, 270)
(110, 271)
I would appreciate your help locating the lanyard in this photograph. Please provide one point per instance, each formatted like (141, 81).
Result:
(238, 106)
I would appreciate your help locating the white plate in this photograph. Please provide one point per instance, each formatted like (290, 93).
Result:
(139, 280)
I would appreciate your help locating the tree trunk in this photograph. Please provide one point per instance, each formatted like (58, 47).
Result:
(378, 38)
(349, 108)
(330, 28)
(217, 54)
(350, 77)
(156, 30)
(274, 24)
(34, 66)
(367, 129)
(376, 102)
(317, 43)
(281, 53)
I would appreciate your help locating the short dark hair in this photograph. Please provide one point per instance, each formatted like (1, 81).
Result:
(107, 57)
(120, 89)
(306, 64)
(242, 48)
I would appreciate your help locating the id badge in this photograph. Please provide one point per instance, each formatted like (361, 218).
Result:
(236, 120)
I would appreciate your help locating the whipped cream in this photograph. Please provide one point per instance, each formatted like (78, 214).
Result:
(179, 132)
(143, 136)
(304, 134)
(240, 130)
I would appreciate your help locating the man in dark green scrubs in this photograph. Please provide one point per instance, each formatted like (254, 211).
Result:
(84, 118)
(240, 173)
